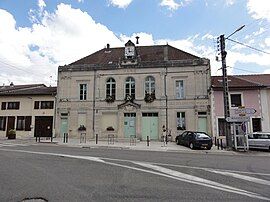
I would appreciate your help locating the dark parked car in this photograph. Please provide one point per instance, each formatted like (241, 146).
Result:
(194, 140)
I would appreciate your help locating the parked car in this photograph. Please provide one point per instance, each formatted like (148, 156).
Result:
(194, 140)
(259, 140)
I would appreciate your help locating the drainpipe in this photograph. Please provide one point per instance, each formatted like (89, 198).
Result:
(165, 84)
(94, 103)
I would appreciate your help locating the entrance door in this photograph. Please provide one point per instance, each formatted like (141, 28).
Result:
(10, 124)
(43, 126)
(129, 124)
(64, 126)
(202, 124)
(150, 126)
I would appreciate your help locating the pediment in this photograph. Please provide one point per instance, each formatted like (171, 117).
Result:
(129, 106)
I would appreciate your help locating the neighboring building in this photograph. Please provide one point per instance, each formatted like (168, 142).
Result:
(134, 91)
(250, 91)
(29, 109)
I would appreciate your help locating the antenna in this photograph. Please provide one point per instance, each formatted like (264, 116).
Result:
(137, 39)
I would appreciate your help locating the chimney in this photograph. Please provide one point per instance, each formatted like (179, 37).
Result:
(11, 84)
(137, 39)
(108, 46)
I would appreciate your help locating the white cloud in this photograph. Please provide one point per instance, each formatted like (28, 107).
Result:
(172, 5)
(259, 9)
(230, 2)
(41, 4)
(58, 38)
(120, 3)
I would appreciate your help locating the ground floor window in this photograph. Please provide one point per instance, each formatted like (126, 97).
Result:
(24, 123)
(221, 127)
(256, 124)
(2, 123)
(181, 121)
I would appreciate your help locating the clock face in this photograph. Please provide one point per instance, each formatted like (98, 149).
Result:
(129, 51)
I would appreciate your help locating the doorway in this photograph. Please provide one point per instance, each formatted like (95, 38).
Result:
(10, 124)
(43, 126)
(129, 124)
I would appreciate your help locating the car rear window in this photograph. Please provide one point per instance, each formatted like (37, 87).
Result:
(201, 136)
(261, 136)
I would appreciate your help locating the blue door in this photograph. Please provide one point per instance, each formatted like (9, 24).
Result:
(129, 124)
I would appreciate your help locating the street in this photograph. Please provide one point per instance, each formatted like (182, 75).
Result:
(60, 173)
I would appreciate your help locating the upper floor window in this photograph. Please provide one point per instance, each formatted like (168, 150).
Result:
(10, 105)
(236, 100)
(130, 88)
(110, 88)
(83, 91)
(181, 121)
(43, 105)
(150, 85)
(179, 86)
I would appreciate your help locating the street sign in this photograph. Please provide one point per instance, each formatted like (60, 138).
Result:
(245, 111)
(237, 119)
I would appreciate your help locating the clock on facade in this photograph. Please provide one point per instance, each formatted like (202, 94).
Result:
(129, 51)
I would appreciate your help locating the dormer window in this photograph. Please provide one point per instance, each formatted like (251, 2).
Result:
(129, 50)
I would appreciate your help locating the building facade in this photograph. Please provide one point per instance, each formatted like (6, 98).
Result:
(28, 109)
(134, 91)
(249, 91)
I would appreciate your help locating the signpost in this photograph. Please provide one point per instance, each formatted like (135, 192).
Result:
(240, 115)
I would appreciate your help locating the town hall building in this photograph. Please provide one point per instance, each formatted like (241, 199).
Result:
(134, 91)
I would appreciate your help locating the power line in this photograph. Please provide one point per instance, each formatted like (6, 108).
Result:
(248, 46)
(37, 74)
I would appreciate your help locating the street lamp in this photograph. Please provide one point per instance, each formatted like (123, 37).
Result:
(226, 87)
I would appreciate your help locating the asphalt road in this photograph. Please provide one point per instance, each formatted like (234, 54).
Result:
(59, 173)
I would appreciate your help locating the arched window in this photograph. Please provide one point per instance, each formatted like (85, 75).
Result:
(130, 88)
(110, 89)
(150, 85)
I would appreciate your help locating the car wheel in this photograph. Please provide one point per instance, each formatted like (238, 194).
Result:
(191, 145)
(178, 141)
(208, 148)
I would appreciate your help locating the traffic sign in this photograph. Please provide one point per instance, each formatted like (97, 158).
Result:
(245, 111)
(237, 119)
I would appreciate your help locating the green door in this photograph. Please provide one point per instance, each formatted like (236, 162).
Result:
(202, 124)
(150, 126)
(129, 124)
(64, 126)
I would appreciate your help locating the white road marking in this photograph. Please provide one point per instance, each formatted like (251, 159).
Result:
(161, 172)
(242, 177)
(200, 181)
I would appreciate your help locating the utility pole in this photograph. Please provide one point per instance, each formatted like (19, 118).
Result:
(221, 41)
(225, 92)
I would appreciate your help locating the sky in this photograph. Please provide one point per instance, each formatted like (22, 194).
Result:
(37, 36)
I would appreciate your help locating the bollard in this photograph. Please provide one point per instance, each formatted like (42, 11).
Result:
(221, 145)
(51, 138)
(215, 141)
(148, 141)
(65, 137)
(96, 138)
(39, 139)
(218, 144)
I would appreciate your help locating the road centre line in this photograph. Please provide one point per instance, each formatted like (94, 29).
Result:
(161, 172)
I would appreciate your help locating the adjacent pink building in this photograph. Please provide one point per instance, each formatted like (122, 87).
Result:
(250, 91)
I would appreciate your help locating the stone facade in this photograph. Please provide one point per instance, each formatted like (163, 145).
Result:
(145, 114)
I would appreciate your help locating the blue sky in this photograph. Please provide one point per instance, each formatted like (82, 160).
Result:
(36, 36)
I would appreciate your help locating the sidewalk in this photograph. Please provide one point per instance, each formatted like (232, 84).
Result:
(125, 145)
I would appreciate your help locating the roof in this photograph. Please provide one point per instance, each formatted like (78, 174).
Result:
(145, 54)
(30, 89)
(236, 82)
(263, 79)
